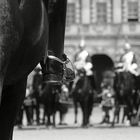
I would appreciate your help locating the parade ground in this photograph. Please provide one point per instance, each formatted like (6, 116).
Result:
(73, 131)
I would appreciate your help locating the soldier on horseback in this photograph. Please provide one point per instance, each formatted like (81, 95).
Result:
(82, 60)
(128, 60)
(55, 66)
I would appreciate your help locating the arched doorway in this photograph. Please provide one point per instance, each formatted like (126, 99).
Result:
(101, 63)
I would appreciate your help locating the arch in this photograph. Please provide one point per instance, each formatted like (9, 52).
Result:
(101, 63)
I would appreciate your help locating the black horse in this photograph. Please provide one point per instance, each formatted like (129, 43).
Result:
(51, 99)
(83, 93)
(124, 86)
(24, 39)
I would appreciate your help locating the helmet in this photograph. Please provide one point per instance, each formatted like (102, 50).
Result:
(37, 68)
(82, 44)
(127, 46)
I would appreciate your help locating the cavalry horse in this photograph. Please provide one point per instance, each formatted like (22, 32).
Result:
(124, 86)
(23, 44)
(83, 93)
(51, 99)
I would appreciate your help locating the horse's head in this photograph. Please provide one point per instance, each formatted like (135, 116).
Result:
(10, 33)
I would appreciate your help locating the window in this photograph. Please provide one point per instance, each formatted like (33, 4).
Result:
(133, 11)
(101, 12)
(70, 19)
(92, 11)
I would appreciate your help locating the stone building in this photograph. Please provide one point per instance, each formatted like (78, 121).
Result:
(105, 25)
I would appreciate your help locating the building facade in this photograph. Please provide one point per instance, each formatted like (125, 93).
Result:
(105, 25)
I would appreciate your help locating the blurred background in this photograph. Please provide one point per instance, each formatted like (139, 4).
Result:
(104, 25)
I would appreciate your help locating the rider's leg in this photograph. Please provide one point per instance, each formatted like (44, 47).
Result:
(57, 17)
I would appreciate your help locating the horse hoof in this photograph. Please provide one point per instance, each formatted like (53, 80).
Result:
(112, 125)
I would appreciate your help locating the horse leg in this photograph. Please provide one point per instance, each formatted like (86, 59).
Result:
(107, 116)
(48, 120)
(116, 114)
(124, 115)
(84, 113)
(75, 111)
(61, 117)
(28, 115)
(86, 108)
(37, 112)
(54, 119)
(43, 119)
(89, 108)
(12, 99)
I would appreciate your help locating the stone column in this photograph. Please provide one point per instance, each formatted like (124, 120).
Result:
(117, 11)
(85, 11)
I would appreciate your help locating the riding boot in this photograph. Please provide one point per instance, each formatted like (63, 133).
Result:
(57, 71)
(56, 65)
(52, 71)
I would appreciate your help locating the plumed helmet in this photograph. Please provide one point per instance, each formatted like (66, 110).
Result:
(37, 68)
(127, 46)
(82, 44)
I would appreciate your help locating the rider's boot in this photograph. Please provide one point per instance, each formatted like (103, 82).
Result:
(56, 65)
(57, 71)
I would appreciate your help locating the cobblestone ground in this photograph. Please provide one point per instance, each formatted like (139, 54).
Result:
(75, 132)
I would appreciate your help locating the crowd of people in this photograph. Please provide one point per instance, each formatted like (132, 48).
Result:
(82, 61)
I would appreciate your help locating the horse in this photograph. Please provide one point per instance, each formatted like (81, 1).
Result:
(51, 99)
(136, 102)
(37, 80)
(83, 93)
(23, 43)
(124, 86)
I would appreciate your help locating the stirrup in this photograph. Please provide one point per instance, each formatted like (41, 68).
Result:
(68, 68)
(63, 72)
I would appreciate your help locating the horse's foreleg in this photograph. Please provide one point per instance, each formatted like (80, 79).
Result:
(54, 118)
(118, 109)
(90, 108)
(115, 115)
(75, 111)
(44, 115)
(12, 99)
(84, 113)
(48, 120)
(124, 115)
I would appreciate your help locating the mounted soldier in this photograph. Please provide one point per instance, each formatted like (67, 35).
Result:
(82, 59)
(128, 60)
(125, 83)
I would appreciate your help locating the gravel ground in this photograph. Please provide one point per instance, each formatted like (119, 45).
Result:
(75, 132)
